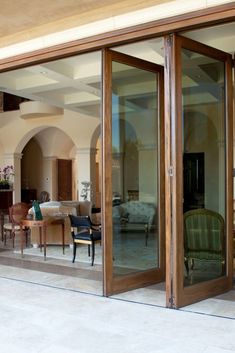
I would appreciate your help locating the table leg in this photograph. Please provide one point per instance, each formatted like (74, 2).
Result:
(21, 239)
(63, 228)
(2, 223)
(44, 241)
(40, 238)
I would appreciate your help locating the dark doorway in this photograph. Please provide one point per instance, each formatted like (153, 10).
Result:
(194, 181)
(64, 167)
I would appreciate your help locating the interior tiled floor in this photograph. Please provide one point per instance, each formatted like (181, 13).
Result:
(58, 271)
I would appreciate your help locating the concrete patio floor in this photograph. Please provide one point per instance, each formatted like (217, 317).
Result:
(40, 319)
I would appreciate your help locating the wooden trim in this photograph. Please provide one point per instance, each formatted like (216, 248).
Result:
(203, 49)
(229, 167)
(135, 62)
(115, 284)
(107, 173)
(197, 19)
(80, 241)
(161, 174)
(177, 179)
(173, 171)
(136, 280)
(186, 295)
(204, 290)
(168, 191)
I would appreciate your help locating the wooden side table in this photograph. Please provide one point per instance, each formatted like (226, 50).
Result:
(42, 225)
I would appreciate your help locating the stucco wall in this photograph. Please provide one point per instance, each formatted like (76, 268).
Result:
(57, 137)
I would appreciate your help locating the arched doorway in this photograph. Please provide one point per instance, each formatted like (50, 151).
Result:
(40, 165)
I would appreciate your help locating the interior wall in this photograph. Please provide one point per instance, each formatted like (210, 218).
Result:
(142, 155)
(40, 172)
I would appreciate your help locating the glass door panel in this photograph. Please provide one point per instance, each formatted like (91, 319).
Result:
(202, 216)
(134, 169)
(204, 133)
(137, 245)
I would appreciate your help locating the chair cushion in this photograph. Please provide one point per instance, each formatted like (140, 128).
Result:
(136, 212)
(8, 226)
(84, 235)
(204, 236)
(138, 218)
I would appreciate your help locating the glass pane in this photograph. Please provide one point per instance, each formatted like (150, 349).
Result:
(134, 169)
(204, 147)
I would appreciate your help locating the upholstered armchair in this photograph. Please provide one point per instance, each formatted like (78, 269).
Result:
(204, 237)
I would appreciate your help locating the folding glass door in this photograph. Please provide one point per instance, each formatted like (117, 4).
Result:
(199, 164)
(133, 178)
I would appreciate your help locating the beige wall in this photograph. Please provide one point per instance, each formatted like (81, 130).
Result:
(135, 164)
(15, 133)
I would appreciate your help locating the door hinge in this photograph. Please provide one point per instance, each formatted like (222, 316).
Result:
(172, 301)
(171, 171)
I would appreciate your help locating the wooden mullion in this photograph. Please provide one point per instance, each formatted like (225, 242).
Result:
(107, 173)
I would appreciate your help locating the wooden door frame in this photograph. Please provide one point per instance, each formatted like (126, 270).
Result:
(181, 296)
(164, 27)
(123, 283)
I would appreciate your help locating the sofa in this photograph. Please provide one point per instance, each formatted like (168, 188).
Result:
(134, 216)
(59, 209)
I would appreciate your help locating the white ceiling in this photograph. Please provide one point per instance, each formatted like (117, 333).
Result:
(75, 83)
(72, 83)
(22, 20)
(220, 37)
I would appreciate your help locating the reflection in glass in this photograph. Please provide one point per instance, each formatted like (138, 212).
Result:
(204, 144)
(134, 169)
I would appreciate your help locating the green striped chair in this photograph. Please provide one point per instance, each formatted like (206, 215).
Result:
(204, 237)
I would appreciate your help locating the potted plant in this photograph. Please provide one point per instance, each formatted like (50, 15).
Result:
(86, 188)
(4, 184)
(6, 177)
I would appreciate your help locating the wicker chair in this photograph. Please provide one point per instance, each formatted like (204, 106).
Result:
(44, 196)
(17, 213)
(204, 237)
